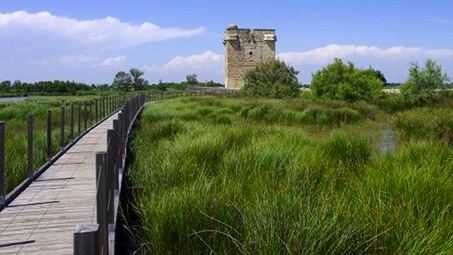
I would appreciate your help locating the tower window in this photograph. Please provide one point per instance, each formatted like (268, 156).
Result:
(251, 53)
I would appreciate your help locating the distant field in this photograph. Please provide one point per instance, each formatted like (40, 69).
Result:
(252, 176)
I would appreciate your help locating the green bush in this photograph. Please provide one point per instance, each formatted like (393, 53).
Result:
(426, 123)
(271, 79)
(424, 85)
(346, 82)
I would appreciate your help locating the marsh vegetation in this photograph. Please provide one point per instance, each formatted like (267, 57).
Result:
(213, 175)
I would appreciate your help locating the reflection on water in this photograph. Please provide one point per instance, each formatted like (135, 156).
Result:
(12, 99)
(388, 141)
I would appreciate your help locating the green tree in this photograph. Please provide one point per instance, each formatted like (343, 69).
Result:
(5, 86)
(272, 79)
(17, 85)
(423, 85)
(122, 81)
(191, 79)
(138, 82)
(346, 82)
(210, 83)
(161, 86)
(376, 73)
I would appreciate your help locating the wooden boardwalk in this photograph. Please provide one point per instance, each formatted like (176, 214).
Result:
(42, 219)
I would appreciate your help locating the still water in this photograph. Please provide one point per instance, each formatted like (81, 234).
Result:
(12, 99)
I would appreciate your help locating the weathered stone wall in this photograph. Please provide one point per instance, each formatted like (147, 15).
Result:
(245, 49)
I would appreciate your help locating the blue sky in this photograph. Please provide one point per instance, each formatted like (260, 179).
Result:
(90, 41)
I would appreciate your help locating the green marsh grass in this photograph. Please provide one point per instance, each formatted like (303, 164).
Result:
(426, 123)
(15, 115)
(265, 183)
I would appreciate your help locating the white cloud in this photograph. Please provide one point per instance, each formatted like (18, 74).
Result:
(328, 53)
(113, 61)
(207, 65)
(76, 59)
(205, 61)
(108, 32)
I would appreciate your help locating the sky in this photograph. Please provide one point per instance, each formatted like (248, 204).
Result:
(89, 41)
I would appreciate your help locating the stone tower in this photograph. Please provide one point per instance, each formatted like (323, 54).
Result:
(245, 49)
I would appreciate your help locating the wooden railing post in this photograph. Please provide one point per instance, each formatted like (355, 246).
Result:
(85, 239)
(49, 135)
(101, 203)
(30, 146)
(2, 163)
(61, 127)
(79, 118)
(120, 139)
(96, 109)
(111, 145)
(103, 107)
(91, 113)
(71, 131)
(116, 156)
(85, 115)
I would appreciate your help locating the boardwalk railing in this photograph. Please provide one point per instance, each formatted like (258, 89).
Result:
(98, 238)
(87, 113)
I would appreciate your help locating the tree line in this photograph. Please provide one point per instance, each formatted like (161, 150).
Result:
(123, 81)
(46, 86)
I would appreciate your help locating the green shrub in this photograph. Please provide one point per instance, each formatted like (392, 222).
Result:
(346, 82)
(271, 79)
(424, 85)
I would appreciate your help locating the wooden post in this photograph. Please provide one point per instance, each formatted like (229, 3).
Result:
(62, 127)
(49, 135)
(120, 139)
(85, 239)
(79, 119)
(30, 146)
(2, 162)
(116, 158)
(103, 107)
(71, 132)
(101, 203)
(91, 113)
(85, 115)
(96, 110)
(111, 145)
